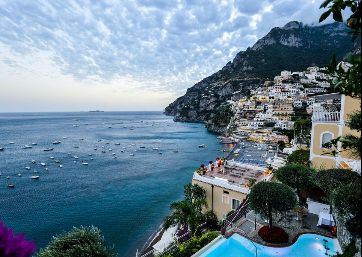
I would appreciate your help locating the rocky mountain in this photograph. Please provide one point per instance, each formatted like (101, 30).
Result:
(293, 47)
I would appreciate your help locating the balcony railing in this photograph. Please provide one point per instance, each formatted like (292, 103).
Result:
(326, 116)
(326, 113)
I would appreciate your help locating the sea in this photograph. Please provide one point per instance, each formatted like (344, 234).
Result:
(118, 171)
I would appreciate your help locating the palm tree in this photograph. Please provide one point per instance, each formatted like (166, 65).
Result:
(188, 212)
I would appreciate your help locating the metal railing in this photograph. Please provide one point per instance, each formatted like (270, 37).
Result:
(239, 213)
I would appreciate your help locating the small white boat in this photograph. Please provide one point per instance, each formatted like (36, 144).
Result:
(11, 143)
(51, 157)
(56, 142)
(89, 154)
(110, 149)
(27, 147)
(155, 148)
(113, 153)
(117, 143)
(248, 155)
(19, 174)
(85, 163)
(42, 164)
(48, 149)
(2, 148)
(46, 168)
(75, 146)
(76, 126)
(34, 177)
(75, 157)
(60, 166)
(57, 161)
(33, 161)
(27, 167)
(34, 144)
(11, 186)
(7, 177)
(92, 159)
(64, 137)
(95, 149)
(131, 154)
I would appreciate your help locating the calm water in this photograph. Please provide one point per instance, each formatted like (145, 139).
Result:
(126, 197)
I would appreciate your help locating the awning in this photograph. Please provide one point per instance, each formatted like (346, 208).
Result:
(325, 219)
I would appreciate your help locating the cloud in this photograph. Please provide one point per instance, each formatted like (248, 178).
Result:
(167, 45)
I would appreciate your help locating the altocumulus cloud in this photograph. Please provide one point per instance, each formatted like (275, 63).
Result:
(167, 45)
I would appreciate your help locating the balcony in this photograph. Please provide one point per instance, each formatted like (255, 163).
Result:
(326, 113)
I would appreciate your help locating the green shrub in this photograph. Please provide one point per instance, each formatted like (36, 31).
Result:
(79, 242)
(192, 246)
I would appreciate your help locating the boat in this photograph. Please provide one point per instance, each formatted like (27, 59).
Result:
(34, 144)
(34, 177)
(42, 164)
(27, 167)
(11, 143)
(2, 148)
(155, 148)
(33, 161)
(110, 149)
(113, 153)
(56, 142)
(60, 166)
(75, 146)
(142, 147)
(237, 151)
(248, 155)
(95, 149)
(57, 161)
(202, 146)
(131, 154)
(89, 154)
(51, 157)
(27, 147)
(159, 153)
(117, 143)
(11, 186)
(85, 163)
(48, 149)
(19, 174)
(76, 157)
(64, 137)
(103, 151)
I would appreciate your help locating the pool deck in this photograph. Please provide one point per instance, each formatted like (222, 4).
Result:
(246, 227)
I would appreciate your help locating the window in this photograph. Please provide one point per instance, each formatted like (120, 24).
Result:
(235, 203)
(326, 138)
(225, 198)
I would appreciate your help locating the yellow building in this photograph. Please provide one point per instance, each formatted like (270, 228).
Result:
(228, 187)
(330, 114)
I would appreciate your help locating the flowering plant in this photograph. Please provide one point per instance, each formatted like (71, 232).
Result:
(14, 245)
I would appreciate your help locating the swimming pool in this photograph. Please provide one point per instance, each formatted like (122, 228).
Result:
(310, 245)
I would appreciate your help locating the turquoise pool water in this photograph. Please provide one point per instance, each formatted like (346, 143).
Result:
(307, 245)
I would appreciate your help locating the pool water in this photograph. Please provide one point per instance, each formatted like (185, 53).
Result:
(310, 245)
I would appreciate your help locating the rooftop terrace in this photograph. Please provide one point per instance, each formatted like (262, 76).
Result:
(234, 175)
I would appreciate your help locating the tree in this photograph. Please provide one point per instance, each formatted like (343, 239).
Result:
(302, 128)
(331, 179)
(300, 156)
(83, 241)
(347, 201)
(281, 145)
(348, 79)
(296, 176)
(188, 212)
(267, 198)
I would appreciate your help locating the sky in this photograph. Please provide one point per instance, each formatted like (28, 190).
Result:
(118, 55)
